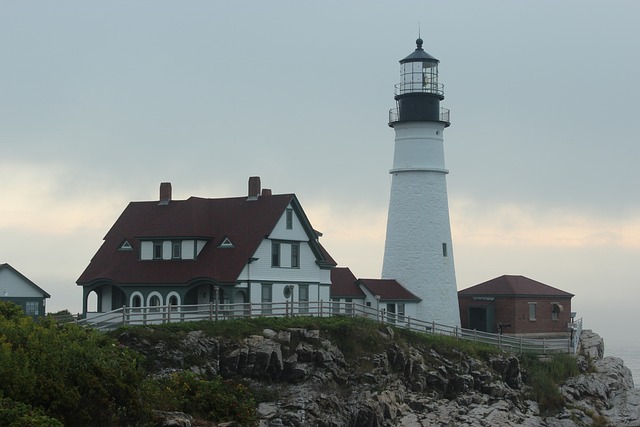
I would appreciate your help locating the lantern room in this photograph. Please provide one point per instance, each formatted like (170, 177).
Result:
(419, 93)
(419, 73)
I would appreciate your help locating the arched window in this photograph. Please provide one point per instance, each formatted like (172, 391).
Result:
(92, 302)
(154, 300)
(136, 301)
(173, 302)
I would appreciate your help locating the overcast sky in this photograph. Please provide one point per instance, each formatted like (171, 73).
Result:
(102, 101)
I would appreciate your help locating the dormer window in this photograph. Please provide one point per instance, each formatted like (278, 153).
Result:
(226, 243)
(157, 250)
(167, 250)
(125, 246)
(176, 250)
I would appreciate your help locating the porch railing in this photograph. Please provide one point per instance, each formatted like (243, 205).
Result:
(128, 316)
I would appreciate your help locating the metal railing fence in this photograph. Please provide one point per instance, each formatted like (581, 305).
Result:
(129, 316)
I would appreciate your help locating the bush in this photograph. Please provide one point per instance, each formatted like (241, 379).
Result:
(17, 414)
(10, 310)
(214, 400)
(75, 375)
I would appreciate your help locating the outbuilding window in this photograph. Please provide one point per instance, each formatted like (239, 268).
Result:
(532, 311)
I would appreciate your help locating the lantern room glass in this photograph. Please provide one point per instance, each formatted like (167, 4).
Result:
(419, 76)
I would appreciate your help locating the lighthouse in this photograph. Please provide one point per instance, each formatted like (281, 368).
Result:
(418, 250)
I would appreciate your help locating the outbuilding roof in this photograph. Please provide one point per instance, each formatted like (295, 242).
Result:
(343, 284)
(388, 289)
(508, 285)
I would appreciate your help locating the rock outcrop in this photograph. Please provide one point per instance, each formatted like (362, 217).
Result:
(305, 380)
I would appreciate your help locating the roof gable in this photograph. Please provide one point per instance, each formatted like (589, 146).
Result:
(6, 268)
(509, 285)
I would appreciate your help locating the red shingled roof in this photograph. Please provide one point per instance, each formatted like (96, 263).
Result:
(343, 284)
(388, 289)
(244, 222)
(513, 285)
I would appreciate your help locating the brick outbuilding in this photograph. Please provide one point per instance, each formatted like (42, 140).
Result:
(516, 304)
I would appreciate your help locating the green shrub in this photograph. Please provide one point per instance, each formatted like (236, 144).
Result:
(75, 375)
(10, 310)
(17, 414)
(213, 400)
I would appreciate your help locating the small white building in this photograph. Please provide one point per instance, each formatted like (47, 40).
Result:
(16, 288)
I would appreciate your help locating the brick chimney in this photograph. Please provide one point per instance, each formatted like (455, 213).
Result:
(254, 188)
(165, 193)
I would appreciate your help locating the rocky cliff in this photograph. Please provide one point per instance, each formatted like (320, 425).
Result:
(303, 379)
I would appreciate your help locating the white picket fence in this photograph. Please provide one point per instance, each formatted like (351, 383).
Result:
(128, 316)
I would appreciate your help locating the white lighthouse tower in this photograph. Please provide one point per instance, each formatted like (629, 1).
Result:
(418, 252)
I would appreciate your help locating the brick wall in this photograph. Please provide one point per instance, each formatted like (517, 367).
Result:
(515, 310)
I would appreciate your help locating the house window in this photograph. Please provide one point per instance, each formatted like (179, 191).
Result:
(348, 306)
(275, 254)
(303, 297)
(154, 302)
(173, 302)
(176, 250)
(32, 308)
(289, 216)
(444, 250)
(400, 308)
(157, 250)
(555, 311)
(295, 255)
(136, 301)
(335, 305)
(391, 312)
(532, 311)
(267, 298)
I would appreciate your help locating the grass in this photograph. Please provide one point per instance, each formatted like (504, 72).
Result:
(545, 378)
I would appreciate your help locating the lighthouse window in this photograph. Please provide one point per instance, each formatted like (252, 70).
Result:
(444, 250)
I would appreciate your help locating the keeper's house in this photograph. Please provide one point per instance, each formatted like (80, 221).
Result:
(516, 305)
(16, 288)
(259, 248)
